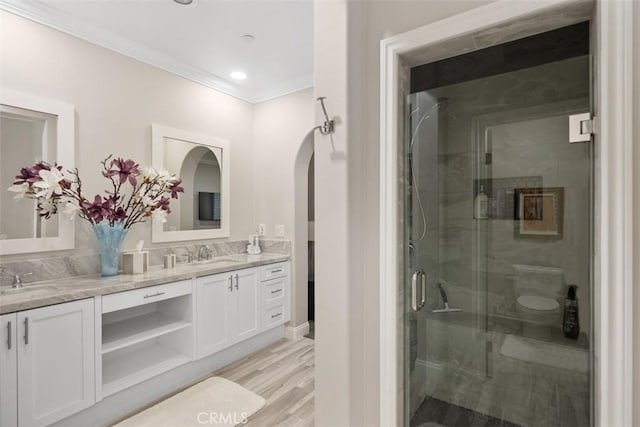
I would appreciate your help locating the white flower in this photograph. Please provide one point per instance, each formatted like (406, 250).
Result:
(70, 208)
(19, 189)
(152, 173)
(47, 207)
(159, 215)
(147, 201)
(49, 184)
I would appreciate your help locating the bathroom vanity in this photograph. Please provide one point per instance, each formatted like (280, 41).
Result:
(68, 345)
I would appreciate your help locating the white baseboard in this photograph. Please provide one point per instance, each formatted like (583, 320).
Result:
(294, 333)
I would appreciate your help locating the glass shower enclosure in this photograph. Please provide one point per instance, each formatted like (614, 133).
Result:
(497, 231)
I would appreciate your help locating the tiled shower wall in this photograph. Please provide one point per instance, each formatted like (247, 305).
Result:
(536, 148)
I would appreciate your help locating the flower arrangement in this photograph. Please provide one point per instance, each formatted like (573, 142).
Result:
(137, 194)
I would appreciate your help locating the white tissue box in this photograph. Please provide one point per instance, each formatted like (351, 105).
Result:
(135, 262)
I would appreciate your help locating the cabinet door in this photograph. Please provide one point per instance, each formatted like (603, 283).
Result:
(8, 372)
(56, 375)
(245, 290)
(213, 311)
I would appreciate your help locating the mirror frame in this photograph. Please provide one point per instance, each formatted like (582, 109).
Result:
(65, 155)
(158, 133)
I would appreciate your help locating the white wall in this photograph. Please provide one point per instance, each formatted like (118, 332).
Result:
(116, 99)
(636, 250)
(281, 127)
(347, 44)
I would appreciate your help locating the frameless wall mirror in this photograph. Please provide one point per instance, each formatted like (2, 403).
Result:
(202, 162)
(32, 129)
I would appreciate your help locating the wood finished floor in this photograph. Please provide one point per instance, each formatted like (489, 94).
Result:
(283, 374)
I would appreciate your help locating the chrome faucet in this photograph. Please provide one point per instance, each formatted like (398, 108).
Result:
(206, 255)
(17, 280)
(188, 256)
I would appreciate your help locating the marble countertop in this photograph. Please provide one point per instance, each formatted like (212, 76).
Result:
(40, 294)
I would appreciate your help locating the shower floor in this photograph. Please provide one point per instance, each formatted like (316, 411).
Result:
(436, 413)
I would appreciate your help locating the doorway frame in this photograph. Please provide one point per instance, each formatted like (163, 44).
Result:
(612, 30)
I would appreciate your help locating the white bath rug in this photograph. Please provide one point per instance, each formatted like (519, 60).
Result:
(214, 402)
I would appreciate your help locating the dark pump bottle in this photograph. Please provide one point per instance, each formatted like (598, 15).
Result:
(570, 322)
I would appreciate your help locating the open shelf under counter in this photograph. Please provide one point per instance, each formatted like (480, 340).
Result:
(137, 363)
(124, 333)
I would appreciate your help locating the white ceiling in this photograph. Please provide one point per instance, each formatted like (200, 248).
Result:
(202, 42)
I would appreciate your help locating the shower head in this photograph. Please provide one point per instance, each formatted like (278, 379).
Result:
(442, 104)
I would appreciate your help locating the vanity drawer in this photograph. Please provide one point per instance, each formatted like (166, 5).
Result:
(273, 291)
(273, 316)
(273, 271)
(122, 300)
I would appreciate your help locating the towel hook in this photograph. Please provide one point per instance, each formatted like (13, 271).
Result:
(328, 126)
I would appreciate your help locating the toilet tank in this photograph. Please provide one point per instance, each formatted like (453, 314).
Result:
(538, 280)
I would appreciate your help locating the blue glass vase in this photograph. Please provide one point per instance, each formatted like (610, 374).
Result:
(110, 238)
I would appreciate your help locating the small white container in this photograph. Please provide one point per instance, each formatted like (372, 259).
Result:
(135, 262)
(170, 261)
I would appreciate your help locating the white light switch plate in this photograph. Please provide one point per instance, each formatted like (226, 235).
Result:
(262, 229)
(279, 230)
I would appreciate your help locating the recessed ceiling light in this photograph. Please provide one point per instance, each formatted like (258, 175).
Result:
(185, 2)
(238, 75)
(248, 37)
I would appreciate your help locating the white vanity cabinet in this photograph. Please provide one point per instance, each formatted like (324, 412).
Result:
(145, 332)
(227, 309)
(274, 295)
(48, 365)
(8, 371)
(234, 306)
(245, 292)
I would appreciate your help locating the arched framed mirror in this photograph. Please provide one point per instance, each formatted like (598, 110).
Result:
(202, 161)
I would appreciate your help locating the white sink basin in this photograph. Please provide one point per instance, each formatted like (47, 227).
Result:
(27, 290)
(213, 261)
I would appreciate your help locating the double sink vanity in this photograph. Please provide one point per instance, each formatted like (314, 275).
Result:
(85, 350)
(68, 344)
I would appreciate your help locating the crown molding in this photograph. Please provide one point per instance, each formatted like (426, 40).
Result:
(46, 15)
(285, 88)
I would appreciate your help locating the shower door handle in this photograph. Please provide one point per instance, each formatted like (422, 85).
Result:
(423, 289)
(418, 275)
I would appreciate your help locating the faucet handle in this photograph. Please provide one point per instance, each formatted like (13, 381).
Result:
(17, 278)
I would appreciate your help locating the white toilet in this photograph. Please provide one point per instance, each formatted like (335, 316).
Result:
(538, 292)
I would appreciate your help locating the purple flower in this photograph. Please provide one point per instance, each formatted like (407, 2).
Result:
(125, 169)
(176, 188)
(163, 204)
(98, 210)
(117, 214)
(31, 174)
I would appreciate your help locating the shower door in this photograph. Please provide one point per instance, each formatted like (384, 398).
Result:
(497, 226)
